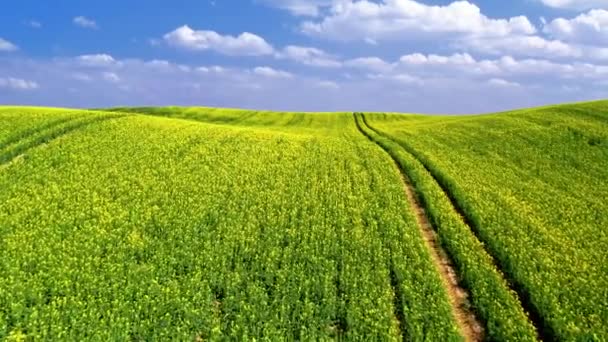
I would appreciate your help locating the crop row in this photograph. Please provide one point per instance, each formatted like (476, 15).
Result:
(491, 299)
(529, 184)
(156, 228)
(20, 142)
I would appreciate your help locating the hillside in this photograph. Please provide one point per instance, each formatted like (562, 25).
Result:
(532, 186)
(204, 223)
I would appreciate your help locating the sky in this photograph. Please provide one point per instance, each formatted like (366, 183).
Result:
(424, 56)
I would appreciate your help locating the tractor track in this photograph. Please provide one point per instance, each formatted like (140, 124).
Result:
(544, 330)
(468, 323)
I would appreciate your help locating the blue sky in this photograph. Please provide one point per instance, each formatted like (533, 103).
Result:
(305, 55)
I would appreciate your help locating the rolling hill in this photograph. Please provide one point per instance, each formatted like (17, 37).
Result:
(211, 224)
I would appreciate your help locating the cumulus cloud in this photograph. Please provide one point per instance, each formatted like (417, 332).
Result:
(96, 60)
(459, 25)
(576, 4)
(449, 66)
(328, 85)
(588, 28)
(82, 77)
(421, 69)
(17, 83)
(369, 63)
(157, 82)
(533, 46)
(499, 82)
(85, 22)
(5, 45)
(401, 78)
(455, 59)
(271, 72)
(410, 20)
(452, 83)
(246, 44)
(110, 77)
(309, 56)
(211, 69)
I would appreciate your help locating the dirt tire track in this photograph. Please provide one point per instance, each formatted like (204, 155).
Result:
(470, 326)
(544, 330)
(468, 323)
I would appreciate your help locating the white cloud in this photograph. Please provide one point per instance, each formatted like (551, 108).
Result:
(82, 77)
(33, 24)
(270, 72)
(413, 83)
(110, 77)
(499, 82)
(460, 26)
(309, 56)
(533, 46)
(85, 22)
(399, 77)
(453, 66)
(246, 44)
(538, 47)
(96, 60)
(212, 69)
(17, 83)
(421, 69)
(369, 63)
(576, 4)
(411, 20)
(455, 59)
(159, 63)
(597, 53)
(588, 28)
(328, 85)
(154, 42)
(300, 7)
(448, 66)
(5, 45)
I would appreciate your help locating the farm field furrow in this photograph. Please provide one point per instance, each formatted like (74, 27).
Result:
(144, 227)
(468, 323)
(233, 117)
(490, 296)
(15, 146)
(532, 185)
(19, 122)
(194, 223)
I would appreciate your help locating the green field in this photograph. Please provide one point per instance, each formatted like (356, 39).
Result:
(218, 224)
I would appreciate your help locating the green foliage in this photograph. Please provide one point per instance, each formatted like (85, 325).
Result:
(491, 298)
(532, 184)
(134, 227)
(224, 224)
